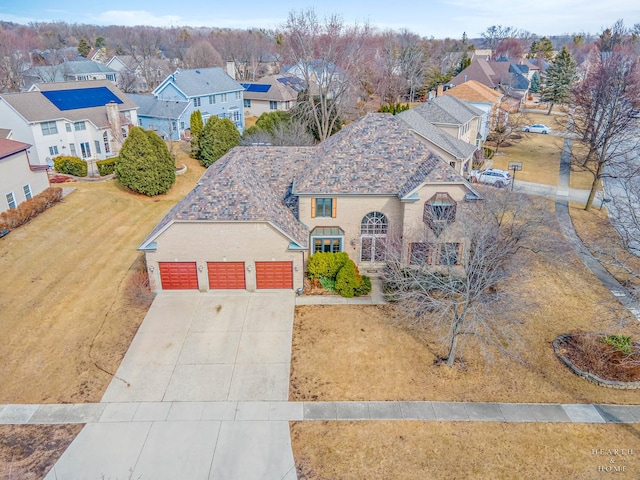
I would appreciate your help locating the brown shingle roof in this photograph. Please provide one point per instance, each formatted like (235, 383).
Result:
(375, 155)
(11, 147)
(474, 91)
(247, 184)
(278, 91)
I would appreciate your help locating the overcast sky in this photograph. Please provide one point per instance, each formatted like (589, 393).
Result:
(437, 18)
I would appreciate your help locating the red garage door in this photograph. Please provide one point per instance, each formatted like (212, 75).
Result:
(179, 275)
(226, 275)
(274, 274)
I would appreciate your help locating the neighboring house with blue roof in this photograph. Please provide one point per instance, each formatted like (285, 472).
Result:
(511, 77)
(69, 71)
(85, 119)
(161, 116)
(210, 90)
(258, 213)
(271, 93)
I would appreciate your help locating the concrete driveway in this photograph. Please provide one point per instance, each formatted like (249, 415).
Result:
(192, 394)
(207, 347)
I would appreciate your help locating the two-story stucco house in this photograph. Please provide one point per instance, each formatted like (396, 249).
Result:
(19, 179)
(258, 213)
(88, 119)
(210, 90)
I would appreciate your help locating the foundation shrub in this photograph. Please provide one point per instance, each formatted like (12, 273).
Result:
(348, 280)
(107, 167)
(70, 165)
(29, 209)
(326, 264)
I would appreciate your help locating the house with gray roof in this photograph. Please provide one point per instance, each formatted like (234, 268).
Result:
(85, 119)
(451, 128)
(161, 116)
(258, 213)
(210, 90)
(69, 71)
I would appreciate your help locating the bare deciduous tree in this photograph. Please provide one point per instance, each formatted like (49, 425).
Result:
(202, 55)
(603, 112)
(457, 279)
(13, 59)
(328, 56)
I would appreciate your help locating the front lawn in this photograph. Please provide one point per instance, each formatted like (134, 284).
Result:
(66, 316)
(351, 353)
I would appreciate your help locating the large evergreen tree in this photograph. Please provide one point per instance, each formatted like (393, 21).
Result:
(542, 46)
(196, 126)
(145, 164)
(83, 47)
(559, 79)
(535, 83)
(219, 135)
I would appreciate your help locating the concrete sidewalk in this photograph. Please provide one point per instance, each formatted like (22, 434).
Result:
(624, 296)
(162, 412)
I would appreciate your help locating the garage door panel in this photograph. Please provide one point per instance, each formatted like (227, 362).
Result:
(226, 275)
(276, 275)
(178, 275)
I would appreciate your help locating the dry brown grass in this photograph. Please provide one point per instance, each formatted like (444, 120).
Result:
(65, 317)
(406, 450)
(595, 230)
(27, 452)
(539, 154)
(358, 353)
(580, 178)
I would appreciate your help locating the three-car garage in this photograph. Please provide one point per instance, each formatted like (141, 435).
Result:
(226, 275)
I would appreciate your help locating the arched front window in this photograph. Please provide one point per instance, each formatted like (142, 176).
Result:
(373, 237)
(374, 223)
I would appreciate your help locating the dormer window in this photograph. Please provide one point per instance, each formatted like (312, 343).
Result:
(439, 212)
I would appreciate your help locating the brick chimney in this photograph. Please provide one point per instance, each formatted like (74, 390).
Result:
(440, 91)
(113, 116)
(231, 69)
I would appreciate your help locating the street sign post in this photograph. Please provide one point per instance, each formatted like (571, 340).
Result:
(516, 167)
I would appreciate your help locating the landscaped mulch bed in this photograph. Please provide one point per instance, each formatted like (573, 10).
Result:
(590, 354)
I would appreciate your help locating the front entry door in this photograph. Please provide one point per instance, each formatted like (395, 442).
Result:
(372, 248)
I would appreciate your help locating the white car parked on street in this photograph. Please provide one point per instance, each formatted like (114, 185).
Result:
(536, 128)
(491, 176)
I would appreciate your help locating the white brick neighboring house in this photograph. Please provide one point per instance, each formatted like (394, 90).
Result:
(19, 179)
(87, 119)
